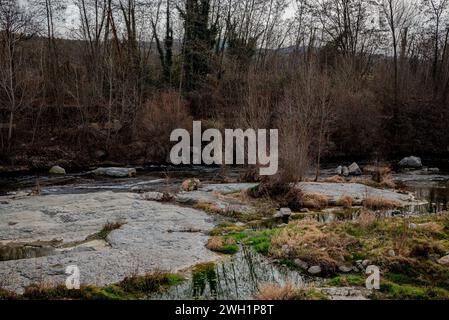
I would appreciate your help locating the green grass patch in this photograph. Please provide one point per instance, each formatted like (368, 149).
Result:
(391, 290)
(346, 280)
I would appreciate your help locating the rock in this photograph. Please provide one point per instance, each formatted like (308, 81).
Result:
(302, 264)
(345, 171)
(153, 196)
(345, 269)
(391, 253)
(357, 191)
(313, 270)
(339, 170)
(411, 162)
(191, 185)
(131, 250)
(304, 210)
(366, 263)
(285, 212)
(354, 170)
(115, 172)
(433, 170)
(57, 170)
(444, 260)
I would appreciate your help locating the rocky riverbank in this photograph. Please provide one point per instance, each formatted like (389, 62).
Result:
(152, 236)
(133, 231)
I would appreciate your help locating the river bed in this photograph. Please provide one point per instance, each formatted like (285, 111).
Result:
(154, 237)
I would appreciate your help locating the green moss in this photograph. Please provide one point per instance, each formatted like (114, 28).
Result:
(226, 229)
(312, 294)
(346, 280)
(238, 236)
(260, 241)
(390, 290)
(228, 249)
(202, 275)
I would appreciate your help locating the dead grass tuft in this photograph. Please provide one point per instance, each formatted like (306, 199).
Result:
(380, 203)
(366, 219)
(345, 202)
(314, 200)
(311, 242)
(276, 292)
(208, 207)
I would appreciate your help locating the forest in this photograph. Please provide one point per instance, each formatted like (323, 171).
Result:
(84, 82)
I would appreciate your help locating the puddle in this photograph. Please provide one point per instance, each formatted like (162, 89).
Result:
(237, 277)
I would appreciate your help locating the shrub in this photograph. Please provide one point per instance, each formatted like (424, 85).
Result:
(161, 114)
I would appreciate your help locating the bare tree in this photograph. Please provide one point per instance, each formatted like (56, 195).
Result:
(16, 26)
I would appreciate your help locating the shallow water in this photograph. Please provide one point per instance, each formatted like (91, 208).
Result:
(236, 277)
(433, 189)
(149, 178)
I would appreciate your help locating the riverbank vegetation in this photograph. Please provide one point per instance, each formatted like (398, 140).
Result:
(111, 85)
(411, 253)
(135, 287)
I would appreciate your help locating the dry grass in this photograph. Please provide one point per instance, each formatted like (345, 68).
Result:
(314, 200)
(208, 207)
(288, 292)
(380, 177)
(345, 202)
(190, 184)
(335, 179)
(311, 242)
(366, 219)
(220, 244)
(276, 292)
(380, 203)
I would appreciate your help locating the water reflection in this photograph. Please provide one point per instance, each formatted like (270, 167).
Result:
(237, 277)
(435, 193)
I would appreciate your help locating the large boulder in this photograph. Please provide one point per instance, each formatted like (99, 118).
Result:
(57, 170)
(354, 170)
(115, 172)
(411, 162)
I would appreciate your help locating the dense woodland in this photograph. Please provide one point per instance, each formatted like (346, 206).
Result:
(108, 80)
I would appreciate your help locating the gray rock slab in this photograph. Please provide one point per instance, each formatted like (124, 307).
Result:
(144, 244)
(354, 190)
